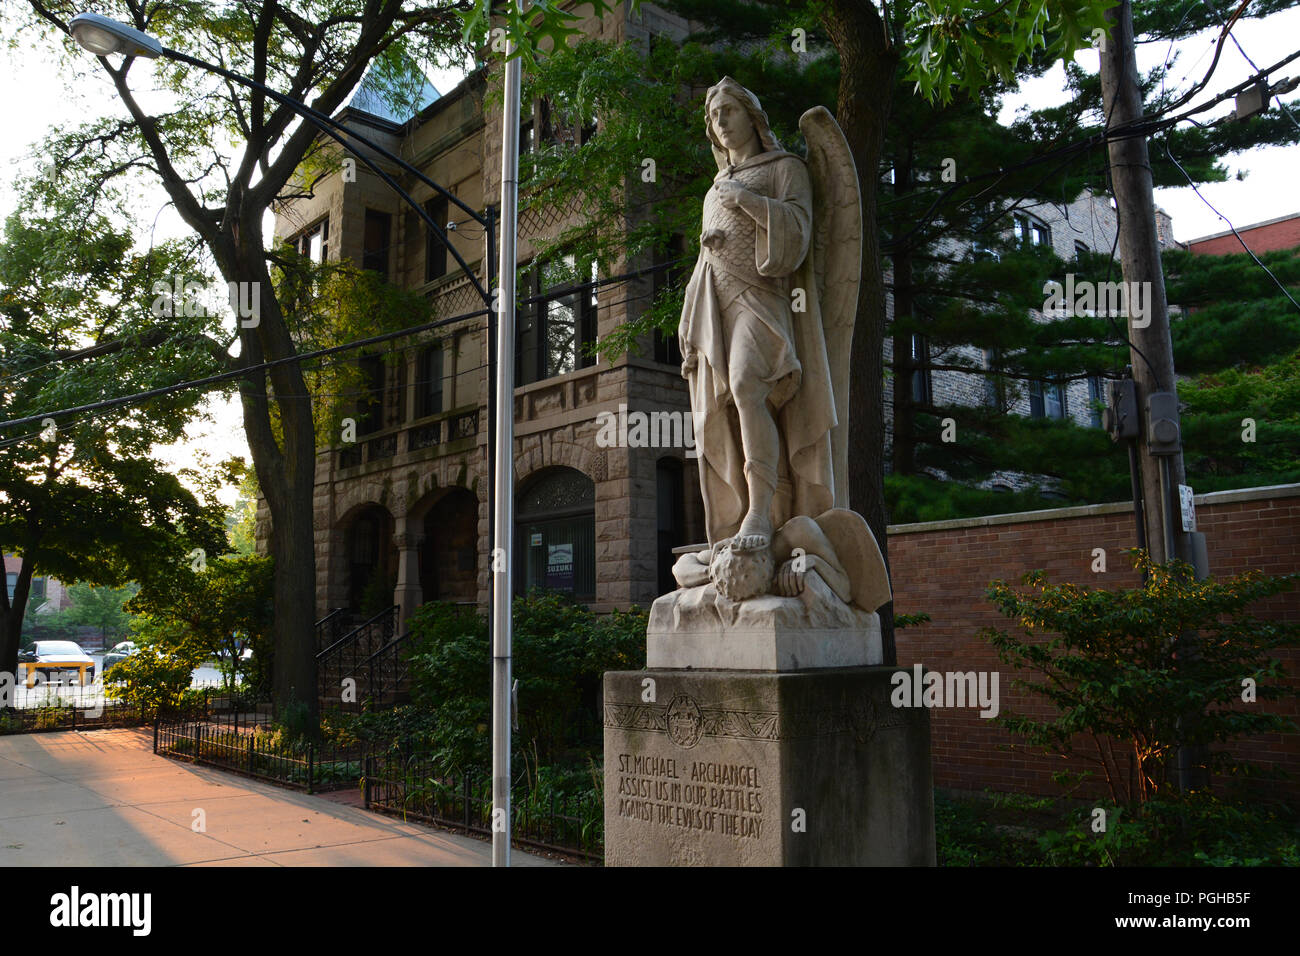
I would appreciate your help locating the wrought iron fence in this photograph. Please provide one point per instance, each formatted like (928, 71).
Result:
(70, 714)
(254, 751)
(412, 786)
(239, 735)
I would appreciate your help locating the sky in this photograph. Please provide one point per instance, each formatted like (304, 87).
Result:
(1268, 188)
(39, 96)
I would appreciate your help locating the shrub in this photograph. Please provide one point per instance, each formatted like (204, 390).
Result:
(1140, 671)
(1172, 830)
(152, 679)
(561, 651)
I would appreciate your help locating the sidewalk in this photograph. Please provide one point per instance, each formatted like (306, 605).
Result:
(102, 798)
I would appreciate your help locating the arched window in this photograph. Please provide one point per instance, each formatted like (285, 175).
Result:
(555, 534)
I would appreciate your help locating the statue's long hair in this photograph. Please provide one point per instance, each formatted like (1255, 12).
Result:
(751, 105)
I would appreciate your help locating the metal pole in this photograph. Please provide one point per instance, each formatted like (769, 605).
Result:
(503, 472)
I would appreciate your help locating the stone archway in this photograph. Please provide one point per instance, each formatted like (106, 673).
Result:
(555, 533)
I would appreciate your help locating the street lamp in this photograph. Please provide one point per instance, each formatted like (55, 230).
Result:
(103, 36)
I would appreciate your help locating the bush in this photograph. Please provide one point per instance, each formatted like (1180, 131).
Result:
(561, 651)
(1195, 830)
(152, 678)
(967, 832)
(1191, 830)
(214, 613)
(1121, 670)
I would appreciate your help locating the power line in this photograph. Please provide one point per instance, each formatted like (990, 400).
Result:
(1280, 105)
(238, 373)
(1146, 126)
(245, 371)
(1269, 272)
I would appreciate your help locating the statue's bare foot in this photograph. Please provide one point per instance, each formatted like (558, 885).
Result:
(755, 533)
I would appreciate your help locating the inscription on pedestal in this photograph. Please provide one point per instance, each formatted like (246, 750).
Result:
(699, 795)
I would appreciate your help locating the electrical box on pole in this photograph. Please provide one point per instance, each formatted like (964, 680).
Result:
(1164, 436)
(1121, 418)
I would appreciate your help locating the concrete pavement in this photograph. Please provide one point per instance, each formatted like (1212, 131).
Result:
(101, 798)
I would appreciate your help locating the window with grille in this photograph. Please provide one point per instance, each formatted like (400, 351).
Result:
(435, 250)
(670, 271)
(1046, 400)
(313, 243)
(1031, 231)
(922, 385)
(370, 403)
(429, 384)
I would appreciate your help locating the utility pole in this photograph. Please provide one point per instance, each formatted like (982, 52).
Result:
(1152, 351)
(1159, 445)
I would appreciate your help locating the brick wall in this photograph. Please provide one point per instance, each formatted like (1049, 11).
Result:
(1283, 233)
(942, 568)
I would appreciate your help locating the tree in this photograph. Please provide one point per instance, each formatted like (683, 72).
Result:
(1238, 342)
(99, 607)
(309, 50)
(944, 45)
(85, 498)
(985, 303)
(219, 611)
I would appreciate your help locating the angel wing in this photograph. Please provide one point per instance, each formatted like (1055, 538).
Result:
(837, 264)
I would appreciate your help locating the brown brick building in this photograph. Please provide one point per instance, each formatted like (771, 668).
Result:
(405, 505)
(1268, 236)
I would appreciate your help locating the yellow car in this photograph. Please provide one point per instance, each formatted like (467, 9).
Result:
(60, 660)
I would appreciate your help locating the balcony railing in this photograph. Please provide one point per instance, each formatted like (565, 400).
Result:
(451, 427)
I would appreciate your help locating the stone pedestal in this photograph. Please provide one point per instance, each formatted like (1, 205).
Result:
(699, 628)
(733, 768)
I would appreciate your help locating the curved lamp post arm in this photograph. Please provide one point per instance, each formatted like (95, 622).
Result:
(101, 35)
(332, 128)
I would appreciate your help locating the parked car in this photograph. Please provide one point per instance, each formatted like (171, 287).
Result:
(120, 652)
(59, 661)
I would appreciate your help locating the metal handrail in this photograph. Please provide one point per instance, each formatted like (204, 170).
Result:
(351, 635)
(329, 620)
(391, 644)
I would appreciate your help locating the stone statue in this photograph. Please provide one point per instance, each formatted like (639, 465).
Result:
(766, 334)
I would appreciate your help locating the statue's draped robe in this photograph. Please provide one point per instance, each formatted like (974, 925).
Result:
(738, 321)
